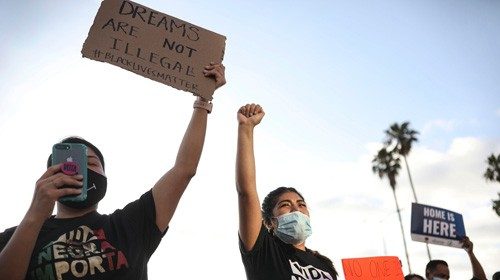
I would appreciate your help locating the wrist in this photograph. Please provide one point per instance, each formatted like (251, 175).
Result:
(33, 219)
(203, 103)
(245, 127)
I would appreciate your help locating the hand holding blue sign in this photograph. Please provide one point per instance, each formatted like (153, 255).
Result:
(438, 269)
(467, 244)
(442, 227)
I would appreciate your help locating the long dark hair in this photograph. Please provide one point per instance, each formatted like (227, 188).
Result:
(268, 205)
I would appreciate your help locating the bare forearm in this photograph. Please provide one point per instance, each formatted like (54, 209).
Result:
(191, 147)
(15, 257)
(250, 223)
(477, 269)
(245, 161)
(169, 189)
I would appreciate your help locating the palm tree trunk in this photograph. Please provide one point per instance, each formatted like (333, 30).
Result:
(402, 231)
(411, 181)
(416, 200)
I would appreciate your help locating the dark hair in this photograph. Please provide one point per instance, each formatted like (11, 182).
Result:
(496, 276)
(431, 266)
(270, 201)
(79, 140)
(267, 214)
(410, 276)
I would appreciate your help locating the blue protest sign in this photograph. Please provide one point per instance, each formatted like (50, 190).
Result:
(436, 225)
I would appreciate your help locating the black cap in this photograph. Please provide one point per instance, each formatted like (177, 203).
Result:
(79, 140)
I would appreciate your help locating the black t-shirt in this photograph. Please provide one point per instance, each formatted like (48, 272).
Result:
(272, 259)
(95, 246)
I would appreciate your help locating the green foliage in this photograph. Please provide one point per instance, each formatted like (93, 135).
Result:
(385, 164)
(496, 205)
(401, 137)
(492, 174)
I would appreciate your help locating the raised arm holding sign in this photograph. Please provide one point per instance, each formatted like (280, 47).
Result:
(154, 45)
(442, 227)
(80, 243)
(438, 269)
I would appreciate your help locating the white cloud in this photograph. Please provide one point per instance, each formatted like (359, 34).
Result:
(353, 212)
(443, 125)
(138, 124)
(463, 146)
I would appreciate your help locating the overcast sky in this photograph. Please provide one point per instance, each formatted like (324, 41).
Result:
(331, 76)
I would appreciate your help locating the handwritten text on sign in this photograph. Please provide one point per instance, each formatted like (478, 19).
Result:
(154, 45)
(372, 268)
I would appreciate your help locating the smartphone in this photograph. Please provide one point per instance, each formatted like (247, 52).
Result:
(73, 156)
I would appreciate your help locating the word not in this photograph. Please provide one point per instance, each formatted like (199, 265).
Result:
(179, 48)
(131, 30)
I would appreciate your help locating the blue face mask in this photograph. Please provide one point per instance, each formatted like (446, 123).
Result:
(293, 228)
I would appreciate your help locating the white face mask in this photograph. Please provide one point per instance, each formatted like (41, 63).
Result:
(437, 278)
(293, 228)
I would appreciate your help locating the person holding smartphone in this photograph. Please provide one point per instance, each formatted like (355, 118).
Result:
(78, 242)
(272, 239)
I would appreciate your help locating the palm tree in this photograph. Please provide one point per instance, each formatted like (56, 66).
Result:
(386, 165)
(492, 173)
(496, 205)
(402, 138)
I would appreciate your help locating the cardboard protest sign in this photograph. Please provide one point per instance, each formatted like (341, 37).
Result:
(373, 268)
(436, 225)
(154, 45)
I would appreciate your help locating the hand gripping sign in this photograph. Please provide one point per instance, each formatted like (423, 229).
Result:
(154, 45)
(436, 225)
